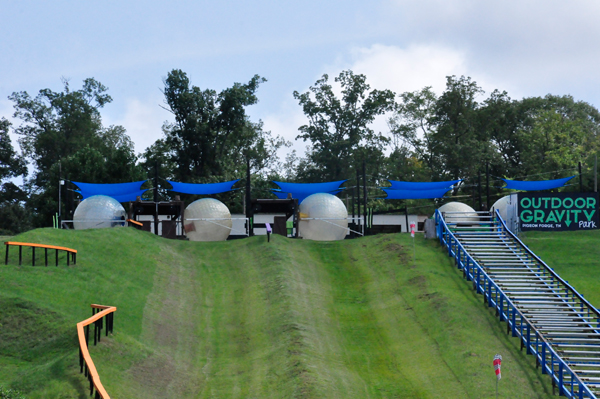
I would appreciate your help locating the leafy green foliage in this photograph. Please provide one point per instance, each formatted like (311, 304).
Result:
(338, 128)
(454, 135)
(63, 130)
(13, 217)
(11, 164)
(212, 136)
(10, 394)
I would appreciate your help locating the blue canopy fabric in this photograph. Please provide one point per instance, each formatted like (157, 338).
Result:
(415, 194)
(299, 196)
(311, 188)
(536, 185)
(121, 197)
(405, 185)
(202, 189)
(109, 189)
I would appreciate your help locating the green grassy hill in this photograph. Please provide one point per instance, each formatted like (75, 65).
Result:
(251, 319)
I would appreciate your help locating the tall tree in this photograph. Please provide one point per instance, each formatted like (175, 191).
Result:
(412, 128)
(212, 135)
(459, 144)
(13, 217)
(57, 124)
(339, 128)
(444, 131)
(64, 129)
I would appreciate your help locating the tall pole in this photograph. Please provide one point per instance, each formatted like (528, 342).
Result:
(487, 185)
(353, 204)
(474, 194)
(580, 180)
(156, 198)
(479, 191)
(358, 195)
(406, 216)
(59, 192)
(248, 199)
(365, 194)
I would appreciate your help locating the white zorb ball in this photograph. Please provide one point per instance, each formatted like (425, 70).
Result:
(215, 224)
(332, 212)
(501, 206)
(98, 212)
(469, 216)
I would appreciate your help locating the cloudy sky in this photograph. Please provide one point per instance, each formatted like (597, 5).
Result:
(528, 48)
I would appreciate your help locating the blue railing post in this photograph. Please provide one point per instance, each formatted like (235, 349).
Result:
(528, 351)
(543, 357)
(514, 322)
(561, 390)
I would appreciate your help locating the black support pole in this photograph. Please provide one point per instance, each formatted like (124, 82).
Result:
(479, 202)
(358, 196)
(249, 214)
(364, 170)
(406, 216)
(156, 198)
(487, 185)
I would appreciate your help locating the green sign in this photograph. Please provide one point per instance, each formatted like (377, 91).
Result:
(558, 211)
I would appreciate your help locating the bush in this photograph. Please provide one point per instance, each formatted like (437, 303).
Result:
(10, 394)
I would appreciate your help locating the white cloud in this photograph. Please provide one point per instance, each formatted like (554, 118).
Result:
(407, 69)
(529, 48)
(285, 123)
(143, 120)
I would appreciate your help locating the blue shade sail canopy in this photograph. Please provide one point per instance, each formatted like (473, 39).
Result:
(406, 185)
(202, 189)
(121, 197)
(415, 194)
(299, 196)
(109, 189)
(311, 188)
(536, 185)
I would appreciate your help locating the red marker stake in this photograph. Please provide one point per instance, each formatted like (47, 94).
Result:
(497, 365)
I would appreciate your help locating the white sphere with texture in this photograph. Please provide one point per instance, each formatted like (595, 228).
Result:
(470, 216)
(323, 217)
(207, 219)
(97, 212)
(501, 206)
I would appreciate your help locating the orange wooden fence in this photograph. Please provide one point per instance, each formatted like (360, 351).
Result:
(71, 253)
(102, 317)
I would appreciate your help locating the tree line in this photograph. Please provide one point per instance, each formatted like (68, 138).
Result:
(454, 135)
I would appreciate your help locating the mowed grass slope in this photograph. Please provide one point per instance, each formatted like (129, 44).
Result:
(250, 319)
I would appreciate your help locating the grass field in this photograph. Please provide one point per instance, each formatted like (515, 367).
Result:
(574, 255)
(250, 319)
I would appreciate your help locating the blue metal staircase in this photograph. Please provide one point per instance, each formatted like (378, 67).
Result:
(552, 320)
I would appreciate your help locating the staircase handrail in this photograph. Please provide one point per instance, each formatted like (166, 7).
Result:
(550, 270)
(443, 228)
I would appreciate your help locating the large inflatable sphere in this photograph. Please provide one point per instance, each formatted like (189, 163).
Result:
(500, 206)
(323, 217)
(207, 219)
(471, 215)
(98, 212)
